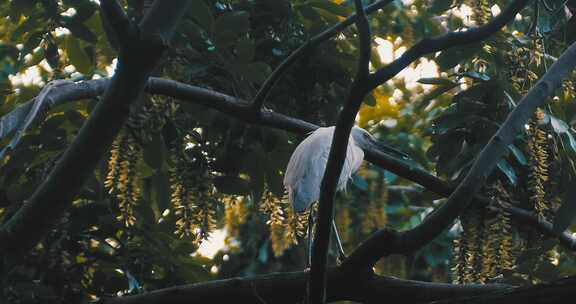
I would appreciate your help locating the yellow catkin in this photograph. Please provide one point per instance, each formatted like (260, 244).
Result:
(506, 256)
(485, 248)
(469, 247)
(123, 178)
(272, 207)
(235, 214)
(459, 270)
(482, 13)
(193, 195)
(286, 226)
(502, 229)
(538, 156)
(204, 216)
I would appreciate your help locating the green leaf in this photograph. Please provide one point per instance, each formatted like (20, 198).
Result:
(476, 75)
(370, 100)
(133, 284)
(236, 22)
(245, 50)
(84, 8)
(21, 7)
(29, 25)
(360, 182)
(224, 39)
(505, 167)
(254, 166)
(52, 55)
(160, 192)
(567, 212)
(202, 14)
(32, 42)
(559, 125)
(571, 141)
(518, 154)
(437, 81)
(274, 179)
(77, 55)
(75, 118)
(331, 7)
(509, 100)
(547, 271)
(256, 72)
(79, 30)
(10, 51)
(453, 56)
(450, 121)
(439, 6)
(433, 94)
(155, 151)
(232, 185)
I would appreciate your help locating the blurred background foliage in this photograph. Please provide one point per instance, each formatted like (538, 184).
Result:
(189, 194)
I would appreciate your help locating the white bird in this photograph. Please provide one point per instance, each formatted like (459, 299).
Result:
(307, 164)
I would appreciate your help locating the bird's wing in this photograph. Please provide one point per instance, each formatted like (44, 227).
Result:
(354, 158)
(306, 167)
(306, 155)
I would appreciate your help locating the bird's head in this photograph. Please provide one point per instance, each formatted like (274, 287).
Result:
(365, 140)
(361, 135)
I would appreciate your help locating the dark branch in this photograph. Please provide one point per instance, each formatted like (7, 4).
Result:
(526, 217)
(53, 197)
(116, 23)
(289, 287)
(299, 52)
(427, 46)
(559, 291)
(336, 158)
(365, 43)
(385, 242)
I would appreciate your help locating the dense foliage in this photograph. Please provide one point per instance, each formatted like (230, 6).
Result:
(179, 173)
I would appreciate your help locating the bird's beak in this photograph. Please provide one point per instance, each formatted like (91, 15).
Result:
(384, 148)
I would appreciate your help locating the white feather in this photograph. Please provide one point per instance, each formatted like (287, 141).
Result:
(306, 167)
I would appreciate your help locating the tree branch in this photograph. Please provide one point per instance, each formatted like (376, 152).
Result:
(431, 45)
(310, 44)
(336, 158)
(559, 291)
(289, 287)
(139, 55)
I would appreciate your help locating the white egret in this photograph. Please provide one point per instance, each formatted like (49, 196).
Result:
(307, 164)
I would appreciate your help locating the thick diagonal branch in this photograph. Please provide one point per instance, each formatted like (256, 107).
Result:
(140, 51)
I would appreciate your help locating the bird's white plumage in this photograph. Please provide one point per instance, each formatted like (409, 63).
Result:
(307, 164)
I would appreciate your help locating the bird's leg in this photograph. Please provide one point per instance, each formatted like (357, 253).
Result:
(309, 247)
(341, 253)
